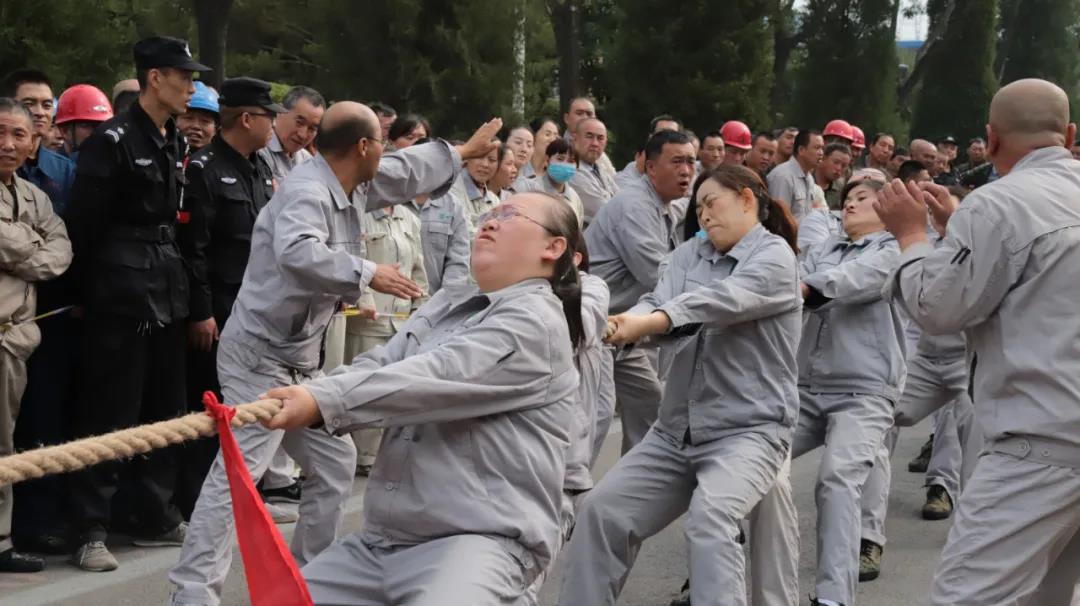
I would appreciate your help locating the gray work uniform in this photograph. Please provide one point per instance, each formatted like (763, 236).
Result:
(1007, 275)
(595, 187)
(793, 186)
(281, 163)
(476, 393)
(473, 200)
(282, 471)
(816, 227)
(851, 367)
(724, 428)
(627, 241)
(937, 379)
(34, 247)
(590, 359)
(937, 383)
(303, 264)
(628, 175)
(545, 184)
(444, 234)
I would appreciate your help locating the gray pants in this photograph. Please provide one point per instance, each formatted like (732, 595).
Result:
(12, 386)
(1015, 538)
(774, 545)
(851, 427)
(637, 394)
(649, 488)
(329, 463)
(931, 384)
(460, 570)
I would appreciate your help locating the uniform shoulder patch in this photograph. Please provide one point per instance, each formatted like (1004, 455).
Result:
(228, 180)
(113, 134)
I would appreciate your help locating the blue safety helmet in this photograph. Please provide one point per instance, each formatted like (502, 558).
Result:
(205, 98)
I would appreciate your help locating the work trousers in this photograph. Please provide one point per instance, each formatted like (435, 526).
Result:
(637, 394)
(132, 373)
(719, 482)
(12, 384)
(458, 570)
(245, 371)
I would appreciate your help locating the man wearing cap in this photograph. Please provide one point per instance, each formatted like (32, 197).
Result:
(124, 93)
(737, 142)
(79, 111)
(228, 183)
(130, 281)
(947, 150)
(793, 181)
(199, 123)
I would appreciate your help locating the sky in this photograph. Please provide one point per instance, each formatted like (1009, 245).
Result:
(908, 29)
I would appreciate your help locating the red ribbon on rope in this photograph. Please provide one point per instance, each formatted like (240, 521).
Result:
(272, 575)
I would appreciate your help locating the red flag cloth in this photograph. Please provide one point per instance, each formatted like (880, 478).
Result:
(272, 576)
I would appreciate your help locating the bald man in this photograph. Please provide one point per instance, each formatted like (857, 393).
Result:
(306, 258)
(924, 152)
(1008, 275)
(591, 182)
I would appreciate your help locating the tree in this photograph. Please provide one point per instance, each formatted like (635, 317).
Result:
(958, 81)
(787, 36)
(565, 18)
(1041, 40)
(212, 20)
(685, 65)
(849, 70)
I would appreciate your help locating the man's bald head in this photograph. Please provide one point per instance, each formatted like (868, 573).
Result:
(1032, 109)
(343, 125)
(594, 123)
(923, 151)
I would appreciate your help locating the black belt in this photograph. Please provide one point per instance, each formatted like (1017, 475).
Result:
(145, 233)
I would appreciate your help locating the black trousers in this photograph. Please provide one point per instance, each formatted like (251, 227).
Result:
(52, 375)
(132, 373)
(195, 457)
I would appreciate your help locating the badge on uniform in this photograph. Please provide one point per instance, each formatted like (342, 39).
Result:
(183, 217)
(144, 161)
(228, 180)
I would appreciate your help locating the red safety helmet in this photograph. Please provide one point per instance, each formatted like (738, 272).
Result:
(736, 134)
(83, 102)
(858, 138)
(839, 128)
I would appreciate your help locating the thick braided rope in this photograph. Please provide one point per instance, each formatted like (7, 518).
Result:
(123, 444)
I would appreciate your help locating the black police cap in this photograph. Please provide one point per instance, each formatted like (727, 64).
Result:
(248, 92)
(163, 51)
(947, 139)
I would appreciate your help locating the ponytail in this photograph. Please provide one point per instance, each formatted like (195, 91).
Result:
(775, 217)
(564, 278)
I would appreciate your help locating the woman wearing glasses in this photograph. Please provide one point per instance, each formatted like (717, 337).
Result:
(476, 393)
(731, 298)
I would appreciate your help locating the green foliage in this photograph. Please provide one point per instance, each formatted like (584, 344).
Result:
(705, 63)
(959, 81)
(1042, 40)
(849, 65)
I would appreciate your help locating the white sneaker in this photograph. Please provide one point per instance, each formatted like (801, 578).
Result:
(95, 557)
(281, 515)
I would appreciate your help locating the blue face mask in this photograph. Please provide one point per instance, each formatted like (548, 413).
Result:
(561, 172)
(702, 234)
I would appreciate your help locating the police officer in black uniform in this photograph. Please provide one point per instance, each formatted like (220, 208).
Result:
(132, 285)
(227, 186)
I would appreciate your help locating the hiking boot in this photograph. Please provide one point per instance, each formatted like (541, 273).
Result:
(287, 494)
(938, 505)
(922, 461)
(281, 515)
(869, 561)
(13, 561)
(684, 595)
(94, 557)
(171, 538)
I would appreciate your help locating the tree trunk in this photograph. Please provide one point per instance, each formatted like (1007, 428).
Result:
(939, 21)
(212, 19)
(566, 22)
(519, 62)
(785, 39)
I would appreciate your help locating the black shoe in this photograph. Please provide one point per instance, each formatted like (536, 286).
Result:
(921, 462)
(47, 544)
(814, 602)
(288, 494)
(13, 561)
